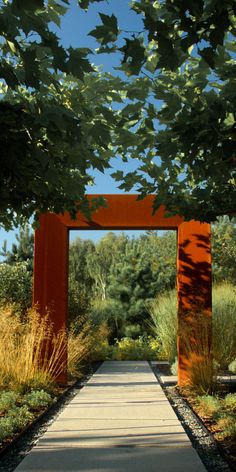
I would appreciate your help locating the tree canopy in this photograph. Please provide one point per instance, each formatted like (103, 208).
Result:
(55, 117)
(176, 111)
(182, 103)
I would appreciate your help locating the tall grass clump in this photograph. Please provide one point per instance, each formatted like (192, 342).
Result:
(83, 344)
(31, 355)
(224, 323)
(194, 329)
(163, 311)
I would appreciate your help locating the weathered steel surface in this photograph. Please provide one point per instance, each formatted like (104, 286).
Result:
(124, 212)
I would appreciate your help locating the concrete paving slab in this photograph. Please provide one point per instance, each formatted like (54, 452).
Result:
(112, 460)
(120, 421)
(118, 433)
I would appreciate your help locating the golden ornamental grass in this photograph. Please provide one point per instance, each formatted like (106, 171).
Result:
(30, 354)
(196, 340)
(83, 347)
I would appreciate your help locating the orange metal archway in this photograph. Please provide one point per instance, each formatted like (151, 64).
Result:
(125, 212)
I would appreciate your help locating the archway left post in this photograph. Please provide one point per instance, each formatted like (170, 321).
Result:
(50, 291)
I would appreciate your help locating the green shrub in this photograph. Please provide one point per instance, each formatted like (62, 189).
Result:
(37, 399)
(229, 402)
(20, 417)
(232, 366)
(16, 285)
(112, 313)
(222, 411)
(16, 419)
(102, 351)
(8, 400)
(210, 405)
(6, 428)
(163, 311)
(132, 331)
(143, 348)
(227, 425)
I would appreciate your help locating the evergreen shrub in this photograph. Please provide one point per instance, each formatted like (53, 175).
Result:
(16, 285)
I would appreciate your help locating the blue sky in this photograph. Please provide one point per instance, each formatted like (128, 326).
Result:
(75, 26)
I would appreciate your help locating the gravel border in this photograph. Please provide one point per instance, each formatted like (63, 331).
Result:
(14, 452)
(201, 439)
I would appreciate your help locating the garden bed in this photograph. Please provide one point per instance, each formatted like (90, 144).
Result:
(16, 446)
(225, 443)
(217, 452)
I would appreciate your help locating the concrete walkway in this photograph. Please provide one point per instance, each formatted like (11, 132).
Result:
(120, 421)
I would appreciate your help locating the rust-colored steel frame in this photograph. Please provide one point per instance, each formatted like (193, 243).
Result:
(124, 212)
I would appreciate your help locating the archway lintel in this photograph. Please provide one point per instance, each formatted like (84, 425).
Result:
(123, 211)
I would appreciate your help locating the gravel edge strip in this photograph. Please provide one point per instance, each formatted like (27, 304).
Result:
(14, 453)
(201, 439)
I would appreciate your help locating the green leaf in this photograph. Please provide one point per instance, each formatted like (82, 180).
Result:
(230, 120)
(59, 59)
(101, 133)
(31, 68)
(57, 8)
(8, 74)
(152, 61)
(138, 89)
(106, 49)
(109, 115)
(230, 46)
(134, 55)
(12, 46)
(118, 175)
(109, 21)
(54, 17)
(209, 56)
(216, 36)
(28, 5)
(85, 3)
(132, 109)
(108, 32)
(77, 63)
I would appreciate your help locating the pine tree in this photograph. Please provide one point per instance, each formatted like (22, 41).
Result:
(22, 250)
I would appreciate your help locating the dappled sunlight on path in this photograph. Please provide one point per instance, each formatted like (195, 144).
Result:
(121, 420)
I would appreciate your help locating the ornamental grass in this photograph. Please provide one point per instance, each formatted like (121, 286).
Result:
(196, 341)
(31, 355)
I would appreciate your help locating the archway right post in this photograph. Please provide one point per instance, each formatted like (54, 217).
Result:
(194, 284)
